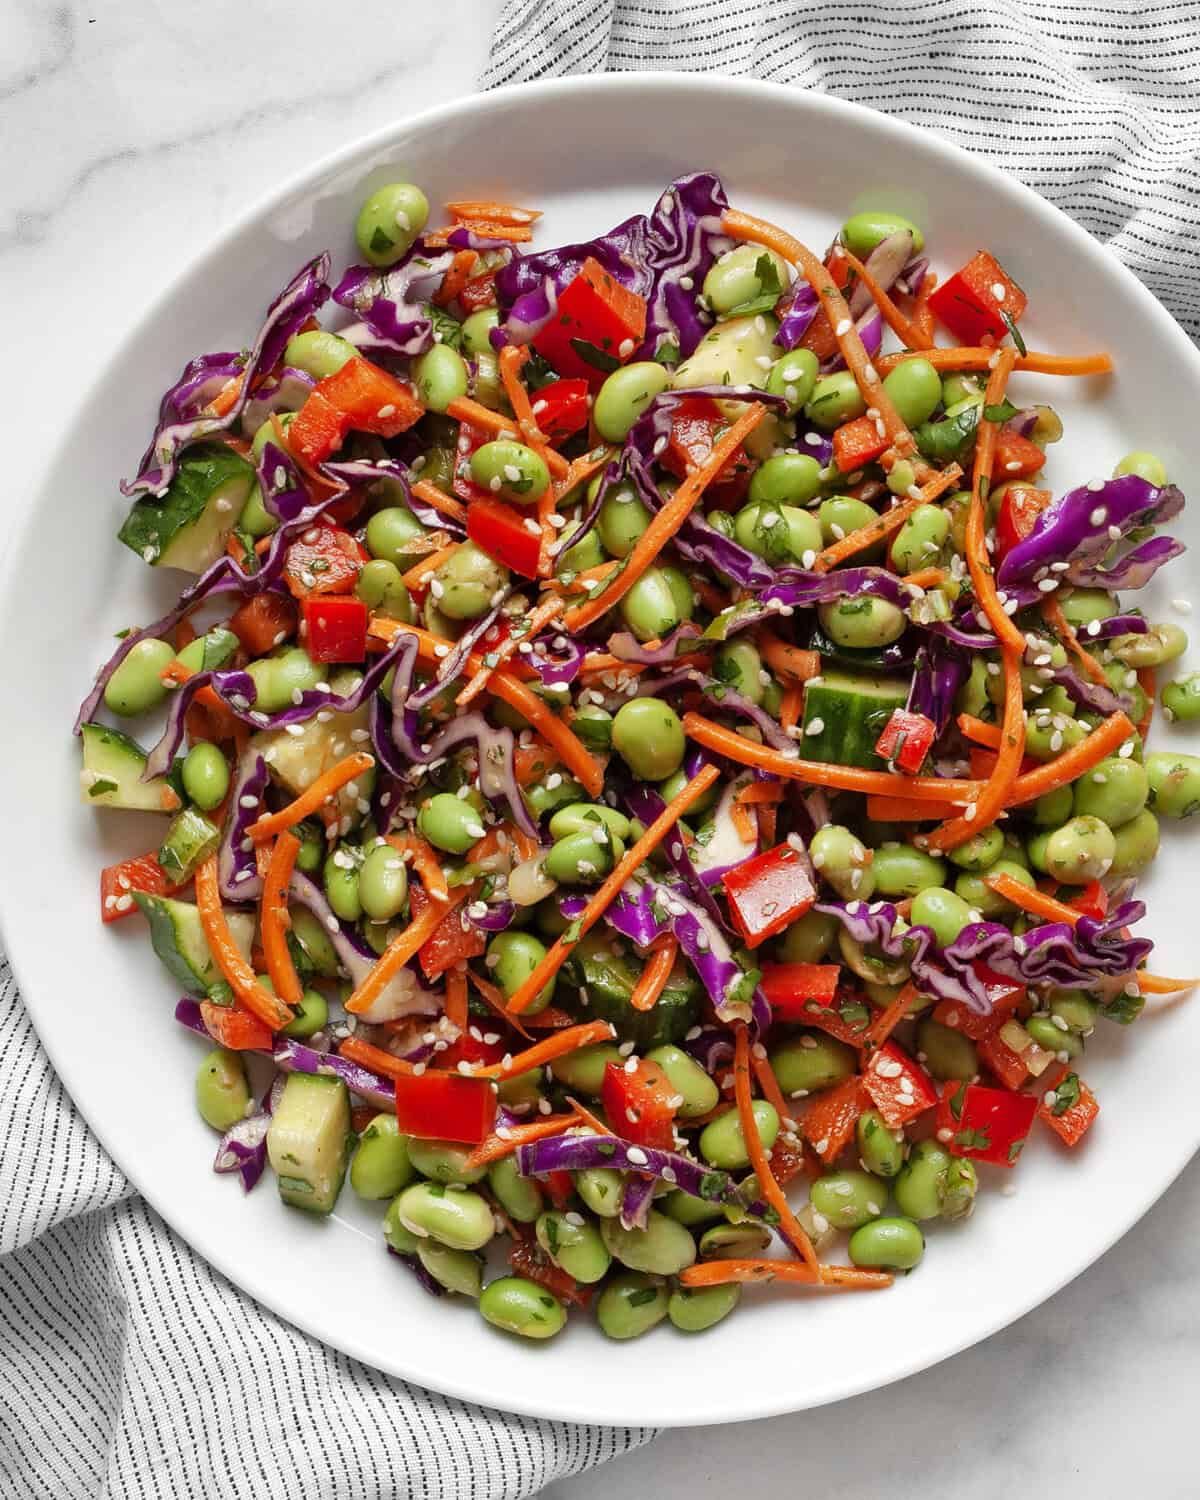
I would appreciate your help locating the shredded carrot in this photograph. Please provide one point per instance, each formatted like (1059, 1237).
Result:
(536, 620)
(456, 277)
(587, 578)
(666, 522)
(1072, 763)
(1156, 984)
(398, 952)
(444, 504)
(1031, 900)
(791, 661)
(517, 233)
(497, 1147)
(769, 1085)
(226, 397)
(600, 901)
(237, 972)
(513, 358)
(756, 792)
(561, 1044)
(375, 1058)
(922, 312)
(908, 810)
(491, 210)
(494, 996)
(422, 571)
(1058, 622)
(887, 1020)
(320, 792)
(721, 1272)
(905, 329)
(761, 1166)
(979, 358)
(983, 576)
(424, 861)
(571, 750)
(475, 414)
(744, 823)
(984, 810)
(791, 706)
(455, 1008)
(1148, 682)
(653, 978)
(890, 521)
(979, 731)
(925, 578)
(274, 922)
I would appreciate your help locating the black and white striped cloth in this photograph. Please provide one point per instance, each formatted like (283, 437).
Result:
(127, 1366)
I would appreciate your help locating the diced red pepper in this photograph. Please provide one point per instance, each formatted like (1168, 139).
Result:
(318, 429)
(501, 532)
(768, 893)
(788, 1160)
(560, 1186)
(830, 1118)
(451, 941)
(1004, 996)
(820, 337)
(1020, 506)
(1092, 901)
(906, 740)
(445, 1107)
(561, 408)
(263, 622)
(638, 1104)
(337, 627)
(469, 439)
(1016, 457)
(1067, 1105)
(984, 1124)
(971, 303)
(898, 1086)
(1007, 1064)
(526, 1259)
(857, 444)
(118, 882)
(474, 1049)
(790, 988)
(696, 426)
(596, 327)
(235, 1028)
(479, 292)
(370, 399)
(983, 763)
(325, 560)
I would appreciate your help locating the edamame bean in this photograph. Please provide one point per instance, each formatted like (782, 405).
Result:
(1048, 734)
(1052, 810)
(688, 1079)
(842, 514)
(919, 542)
(863, 231)
(312, 1014)
(384, 592)
(622, 519)
(318, 353)
(746, 274)
(648, 736)
(625, 395)
(807, 940)
(1181, 698)
(216, 648)
(844, 861)
(630, 1305)
(785, 479)
(587, 553)
(466, 584)
(811, 1061)
(915, 388)
(205, 776)
(1174, 782)
(583, 817)
(277, 678)
(1078, 1010)
(601, 1189)
(222, 1093)
(663, 1248)
(1135, 845)
(451, 1215)
(780, 533)
(1155, 648)
(440, 376)
(450, 823)
(888, 1244)
(1145, 465)
(389, 221)
(793, 377)
(722, 1143)
(959, 1189)
(475, 330)
(901, 870)
(510, 471)
(650, 607)
(901, 477)
(1054, 1038)
(743, 1239)
(136, 685)
(1082, 606)
(738, 665)
(835, 399)
(512, 957)
(519, 1197)
(980, 897)
(1114, 791)
(582, 858)
(402, 1240)
(944, 912)
(522, 1307)
(981, 849)
(946, 1053)
(389, 532)
(693, 1309)
(486, 384)
(457, 1270)
(875, 968)
(574, 1245)
(880, 1148)
(593, 726)
(443, 1162)
(689, 1210)
(381, 1167)
(849, 1198)
(340, 877)
(383, 883)
(314, 940)
(862, 621)
(920, 1188)
(1080, 851)
(582, 1072)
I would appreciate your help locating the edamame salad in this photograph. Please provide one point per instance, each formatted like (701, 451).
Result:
(652, 750)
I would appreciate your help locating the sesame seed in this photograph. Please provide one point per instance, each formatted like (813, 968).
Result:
(843, 328)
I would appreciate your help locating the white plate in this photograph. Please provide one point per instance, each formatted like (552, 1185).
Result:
(588, 151)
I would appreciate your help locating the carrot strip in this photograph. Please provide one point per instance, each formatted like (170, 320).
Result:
(791, 706)
(756, 792)
(571, 750)
(455, 1008)
(1148, 682)
(374, 1058)
(497, 1146)
(320, 792)
(1058, 622)
(492, 211)
(907, 331)
(769, 1085)
(513, 358)
(653, 978)
(887, 1020)
(1072, 763)
(1156, 984)
(759, 1163)
(888, 522)
(908, 810)
(558, 1045)
(225, 398)
(667, 521)
(979, 731)
(445, 504)
(475, 414)
(274, 922)
(791, 661)
(744, 823)
(536, 620)
(422, 571)
(599, 903)
(720, 1272)
(922, 312)
(979, 358)
(237, 972)
(424, 861)
(983, 576)
(400, 950)
(986, 807)
(456, 277)
(1029, 899)
(494, 996)
(925, 578)
(491, 230)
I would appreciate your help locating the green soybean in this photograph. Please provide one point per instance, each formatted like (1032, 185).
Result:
(522, 1307)
(945, 912)
(793, 376)
(398, 1237)
(477, 327)
(915, 388)
(842, 514)
(583, 1072)
(1145, 465)
(880, 1148)
(920, 1187)
(1134, 845)
(980, 850)
(811, 1061)
(1181, 698)
(630, 1305)
(588, 553)
(1055, 1038)
(980, 897)
(574, 1245)
(901, 870)
(862, 621)
(835, 399)
(450, 823)
(381, 1167)
(215, 648)
(785, 479)
(1082, 606)
(688, 1079)
(453, 1216)
(601, 1190)
(457, 1270)
(864, 231)
(318, 353)
(807, 940)
(389, 532)
(1114, 791)
(783, 534)
(593, 726)
(312, 1015)
(625, 395)
(1052, 810)
(849, 1198)
(519, 1197)
(651, 607)
(205, 776)
(1080, 851)
(744, 1240)
(383, 883)
(340, 878)
(663, 1248)
(919, 542)
(583, 858)
(1153, 648)
(959, 1188)
(222, 1093)
(844, 861)
(722, 1143)
(384, 591)
(510, 471)
(512, 957)
(465, 585)
(277, 679)
(693, 1309)
(622, 519)
(1174, 784)
(583, 817)
(875, 968)
(748, 273)
(947, 1053)
(136, 686)
(1078, 1010)
(443, 1162)
(648, 736)
(389, 221)
(690, 1210)
(892, 1244)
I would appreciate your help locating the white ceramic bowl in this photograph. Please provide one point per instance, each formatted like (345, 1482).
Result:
(588, 151)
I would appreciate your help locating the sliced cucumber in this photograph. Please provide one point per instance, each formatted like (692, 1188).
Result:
(844, 715)
(729, 353)
(112, 773)
(606, 983)
(308, 1141)
(313, 942)
(297, 760)
(190, 838)
(186, 528)
(177, 936)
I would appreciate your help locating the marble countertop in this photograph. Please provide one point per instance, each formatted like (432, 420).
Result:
(134, 131)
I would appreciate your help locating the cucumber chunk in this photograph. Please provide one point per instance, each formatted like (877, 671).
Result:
(177, 936)
(308, 1141)
(112, 774)
(186, 528)
(844, 715)
(190, 839)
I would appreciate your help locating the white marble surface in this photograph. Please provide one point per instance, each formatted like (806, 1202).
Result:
(133, 131)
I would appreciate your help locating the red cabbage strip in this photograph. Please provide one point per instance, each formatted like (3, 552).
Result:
(580, 1153)
(390, 302)
(1096, 697)
(451, 664)
(180, 426)
(284, 493)
(795, 310)
(726, 700)
(938, 673)
(884, 264)
(377, 471)
(680, 641)
(1132, 571)
(713, 1047)
(286, 391)
(243, 1147)
(636, 1199)
(237, 867)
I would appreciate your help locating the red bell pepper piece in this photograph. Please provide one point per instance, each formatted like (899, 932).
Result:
(479, 292)
(898, 1086)
(792, 988)
(1007, 1064)
(830, 1119)
(768, 893)
(118, 882)
(906, 740)
(1068, 1106)
(474, 1047)
(972, 302)
(560, 1186)
(235, 1028)
(264, 622)
(1020, 506)
(469, 438)
(445, 1107)
(1092, 901)
(696, 425)
(326, 560)
(561, 408)
(451, 942)
(820, 337)
(501, 532)
(337, 627)
(857, 444)
(1016, 457)
(318, 429)
(596, 327)
(526, 1259)
(370, 399)
(984, 1124)
(638, 1104)
(1004, 996)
